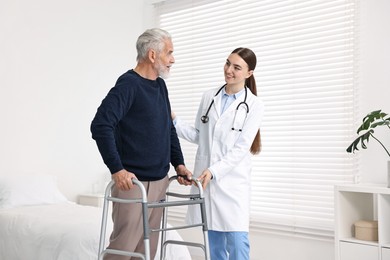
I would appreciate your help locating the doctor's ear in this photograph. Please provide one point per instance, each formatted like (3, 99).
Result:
(250, 73)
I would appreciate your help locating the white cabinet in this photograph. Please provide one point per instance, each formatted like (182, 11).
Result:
(362, 202)
(356, 251)
(95, 200)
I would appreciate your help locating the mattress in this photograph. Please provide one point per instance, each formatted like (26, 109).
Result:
(60, 231)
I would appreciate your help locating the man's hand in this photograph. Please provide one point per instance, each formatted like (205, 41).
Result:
(123, 179)
(181, 170)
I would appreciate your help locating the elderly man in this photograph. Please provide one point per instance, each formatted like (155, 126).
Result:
(136, 139)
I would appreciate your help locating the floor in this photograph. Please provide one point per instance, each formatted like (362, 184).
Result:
(197, 258)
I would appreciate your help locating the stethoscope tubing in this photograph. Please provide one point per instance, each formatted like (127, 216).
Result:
(205, 117)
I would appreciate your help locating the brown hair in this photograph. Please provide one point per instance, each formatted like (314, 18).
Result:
(250, 58)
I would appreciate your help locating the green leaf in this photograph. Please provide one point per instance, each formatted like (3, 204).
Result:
(362, 140)
(372, 120)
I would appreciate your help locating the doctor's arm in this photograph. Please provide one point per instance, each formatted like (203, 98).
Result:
(185, 131)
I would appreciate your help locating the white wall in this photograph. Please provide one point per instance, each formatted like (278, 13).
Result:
(58, 61)
(374, 79)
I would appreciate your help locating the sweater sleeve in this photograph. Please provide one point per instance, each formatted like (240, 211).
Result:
(113, 107)
(176, 153)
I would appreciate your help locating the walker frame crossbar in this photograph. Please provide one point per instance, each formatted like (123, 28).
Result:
(185, 199)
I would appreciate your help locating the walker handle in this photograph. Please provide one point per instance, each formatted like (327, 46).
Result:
(183, 176)
(194, 181)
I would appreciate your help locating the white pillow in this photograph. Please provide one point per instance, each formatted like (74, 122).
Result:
(31, 189)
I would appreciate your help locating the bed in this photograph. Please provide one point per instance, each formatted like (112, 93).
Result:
(38, 222)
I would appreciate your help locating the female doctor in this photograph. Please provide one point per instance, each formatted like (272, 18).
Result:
(227, 133)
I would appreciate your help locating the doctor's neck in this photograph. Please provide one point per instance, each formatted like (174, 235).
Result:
(234, 88)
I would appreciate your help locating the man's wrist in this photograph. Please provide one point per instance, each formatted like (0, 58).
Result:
(179, 166)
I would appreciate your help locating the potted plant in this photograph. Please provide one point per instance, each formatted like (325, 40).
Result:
(366, 130)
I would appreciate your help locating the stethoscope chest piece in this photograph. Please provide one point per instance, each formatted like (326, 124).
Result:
(204, 119)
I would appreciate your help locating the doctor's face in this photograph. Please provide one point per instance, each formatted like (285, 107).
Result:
(236, 70)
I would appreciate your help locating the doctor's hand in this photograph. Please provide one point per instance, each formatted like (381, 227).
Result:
(205, 178)
(181, 170)
(123, 179)
(173, 115)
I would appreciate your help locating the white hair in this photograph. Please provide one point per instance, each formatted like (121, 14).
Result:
(151, 39)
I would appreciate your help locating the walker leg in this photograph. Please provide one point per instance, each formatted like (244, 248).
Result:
(104, 220)
(205, 230)
(145, 217)
(163, 233)
(206, 245)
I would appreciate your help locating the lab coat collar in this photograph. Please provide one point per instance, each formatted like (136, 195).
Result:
(239, 97)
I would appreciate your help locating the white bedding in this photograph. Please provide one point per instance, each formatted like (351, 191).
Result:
(64, 231)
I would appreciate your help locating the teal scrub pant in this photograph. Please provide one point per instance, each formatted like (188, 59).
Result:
(228, 245)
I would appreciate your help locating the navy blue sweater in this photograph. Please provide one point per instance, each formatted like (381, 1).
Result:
(133, 128)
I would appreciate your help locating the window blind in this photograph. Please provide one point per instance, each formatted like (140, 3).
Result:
(306, 76)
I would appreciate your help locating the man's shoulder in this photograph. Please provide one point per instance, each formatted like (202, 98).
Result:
(128, 75)
(127, 80)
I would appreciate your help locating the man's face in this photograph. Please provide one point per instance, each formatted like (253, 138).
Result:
(165, 60)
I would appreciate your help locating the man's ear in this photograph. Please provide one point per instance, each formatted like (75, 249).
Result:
(152, 55)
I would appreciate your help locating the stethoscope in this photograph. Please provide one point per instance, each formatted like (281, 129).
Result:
(205, 118)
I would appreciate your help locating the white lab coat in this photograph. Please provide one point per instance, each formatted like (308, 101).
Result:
(226, 153)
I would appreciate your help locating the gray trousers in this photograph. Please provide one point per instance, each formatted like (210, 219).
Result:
(127, 232)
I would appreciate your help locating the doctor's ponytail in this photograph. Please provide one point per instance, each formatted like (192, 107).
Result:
(250, 58)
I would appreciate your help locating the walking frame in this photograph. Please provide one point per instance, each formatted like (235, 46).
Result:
(181, 200)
